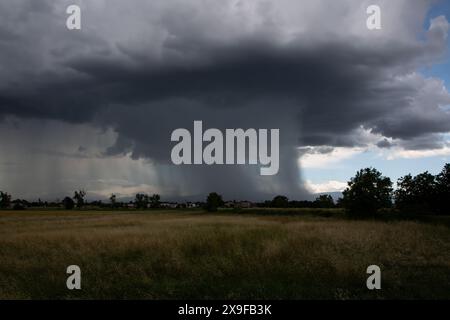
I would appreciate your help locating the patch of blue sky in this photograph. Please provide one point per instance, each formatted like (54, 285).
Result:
(393, 168)
(396, 167)
(441, 69)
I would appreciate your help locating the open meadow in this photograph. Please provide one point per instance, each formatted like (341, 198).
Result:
(170, 254)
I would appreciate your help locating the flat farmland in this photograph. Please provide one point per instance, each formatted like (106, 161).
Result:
(170, 254)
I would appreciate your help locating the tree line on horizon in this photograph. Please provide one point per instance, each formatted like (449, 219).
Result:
(367, 192)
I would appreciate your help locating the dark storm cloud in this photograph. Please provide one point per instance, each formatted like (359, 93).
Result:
(385, 143)
(331, 94)
(316, 88)
(425, 142)
(317, 150)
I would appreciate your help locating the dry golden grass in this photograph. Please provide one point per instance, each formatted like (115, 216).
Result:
(194, 255)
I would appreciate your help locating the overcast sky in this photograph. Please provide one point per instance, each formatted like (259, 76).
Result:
(94, 108)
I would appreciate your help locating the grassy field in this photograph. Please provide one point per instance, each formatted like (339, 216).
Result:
(194, 255)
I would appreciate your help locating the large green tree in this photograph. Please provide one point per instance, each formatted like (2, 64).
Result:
(416, 194)
(280, 202)
(324, 201)
(113, 200)
(214, 201)
(443, 190)
(367, 192)
(155, 201)
(68, 203)
(79, 198)
(141, 201)
(5, 200)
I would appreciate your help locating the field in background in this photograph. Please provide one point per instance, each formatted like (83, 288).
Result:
(194, 255)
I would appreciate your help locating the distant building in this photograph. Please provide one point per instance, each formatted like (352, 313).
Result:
(244, 204)
(191, 205)
(169, 205)
(229, 204)
(238, 204)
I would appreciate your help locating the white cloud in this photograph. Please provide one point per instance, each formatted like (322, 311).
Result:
(125, 191)
(414, 154)
(322, 160)
(328, 186)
